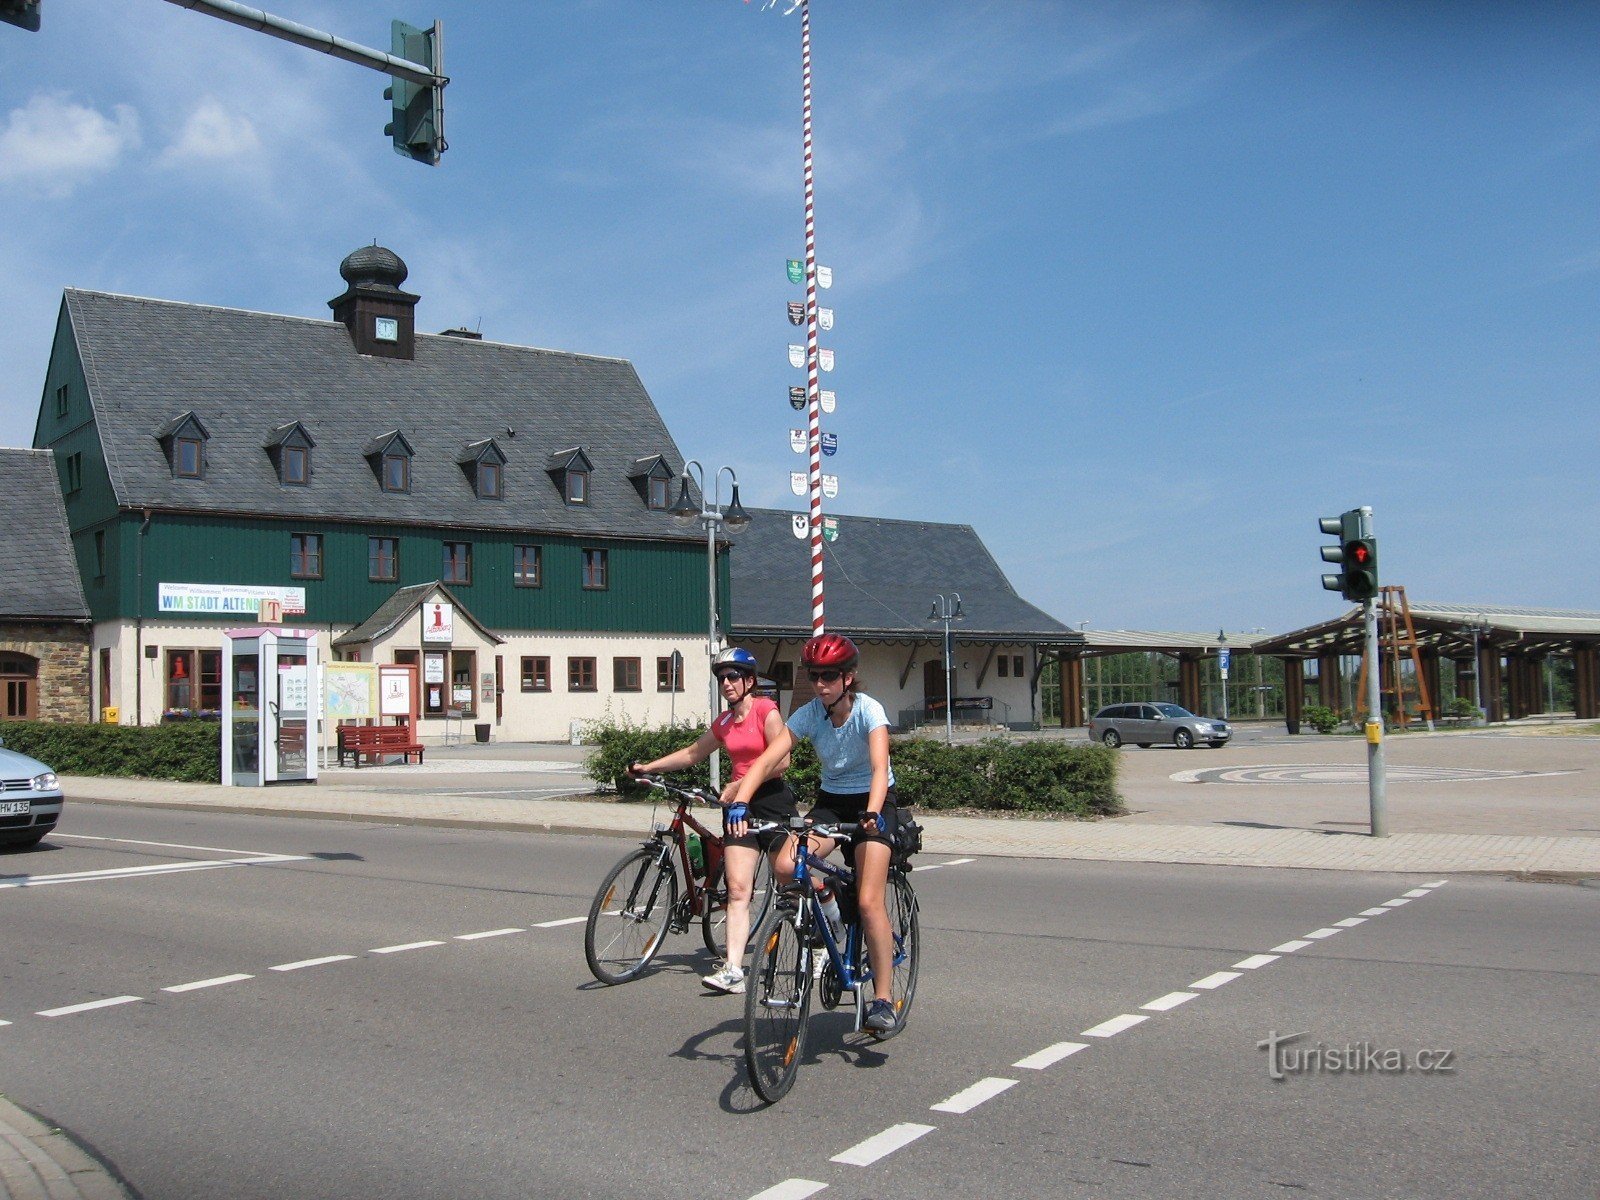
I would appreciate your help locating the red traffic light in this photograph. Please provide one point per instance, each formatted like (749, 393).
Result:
(1359, 553)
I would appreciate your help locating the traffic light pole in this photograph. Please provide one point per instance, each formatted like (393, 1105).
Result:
(314, 39)
(1375, 773)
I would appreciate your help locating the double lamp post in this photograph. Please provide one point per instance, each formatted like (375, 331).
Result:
(734, 518)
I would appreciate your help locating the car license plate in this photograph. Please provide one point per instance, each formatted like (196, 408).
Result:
(14, 808)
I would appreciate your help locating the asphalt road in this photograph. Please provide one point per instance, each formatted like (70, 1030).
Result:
(431, 1062)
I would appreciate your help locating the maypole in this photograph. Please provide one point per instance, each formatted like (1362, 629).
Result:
(813, 384)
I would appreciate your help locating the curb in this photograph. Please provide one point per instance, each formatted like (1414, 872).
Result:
(38, 1162)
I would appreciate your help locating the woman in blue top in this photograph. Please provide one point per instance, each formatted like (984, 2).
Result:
(850, 732)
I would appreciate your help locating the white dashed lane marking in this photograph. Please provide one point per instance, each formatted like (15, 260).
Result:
(1395, 903)
(1415, 892)
(1319, 934)
(864, 1154)
(312, 962)
(78, 1008)
(1291, 947)
(1215, 980)
(487, 933)
(563, 921)
(206, 983)
(405, 946)
(1254, 961)
(969, 1098)
(1373, 912)
(791, 1189)
(1115, 1025)
(1050, 1055)
(1170, 1001)
(1351, 922)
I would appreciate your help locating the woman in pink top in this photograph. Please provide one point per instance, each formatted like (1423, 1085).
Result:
(751, 723)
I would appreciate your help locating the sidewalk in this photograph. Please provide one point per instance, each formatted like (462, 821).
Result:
(40, 1163)
(382, 796)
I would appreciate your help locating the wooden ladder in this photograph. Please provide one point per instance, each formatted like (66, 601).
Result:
(1397, 638)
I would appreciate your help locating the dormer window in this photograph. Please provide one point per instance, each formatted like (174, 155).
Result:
(484, 464)
(183, 439)
(653, 479)
(289, 447)
(571, 470)
(389, 455)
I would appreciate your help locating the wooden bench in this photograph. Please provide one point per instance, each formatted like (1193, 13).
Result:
(374, 741)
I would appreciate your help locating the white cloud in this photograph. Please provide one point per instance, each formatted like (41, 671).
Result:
(212, 134)
(55, 144)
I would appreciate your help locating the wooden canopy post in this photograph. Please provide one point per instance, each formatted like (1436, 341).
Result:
(1070, 669)
(1294, 692)
(1189, 683)
(1586, 682)
(1328, 681)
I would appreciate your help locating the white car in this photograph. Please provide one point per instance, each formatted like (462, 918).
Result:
(30, 800)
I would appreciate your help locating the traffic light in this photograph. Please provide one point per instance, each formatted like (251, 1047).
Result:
(1357, 554)
(418, 124)
(24, 13)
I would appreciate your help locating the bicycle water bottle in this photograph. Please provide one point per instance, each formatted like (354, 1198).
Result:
(697, 856)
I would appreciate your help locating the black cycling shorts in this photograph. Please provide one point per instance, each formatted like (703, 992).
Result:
(834, 808)
(773, 801)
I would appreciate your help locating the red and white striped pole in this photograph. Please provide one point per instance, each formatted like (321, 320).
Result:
(813, 386)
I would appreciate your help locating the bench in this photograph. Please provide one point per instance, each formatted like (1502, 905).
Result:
(374, 741)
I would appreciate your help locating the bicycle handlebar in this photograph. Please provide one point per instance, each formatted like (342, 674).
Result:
(689, 794)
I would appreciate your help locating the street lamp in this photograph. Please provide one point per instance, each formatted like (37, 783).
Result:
(1261, 692)
(1222, 664)
(947, 611)
(1479, 625)
(686, 512)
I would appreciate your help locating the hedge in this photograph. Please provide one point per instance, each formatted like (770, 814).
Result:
(189, 751)
(997, 774)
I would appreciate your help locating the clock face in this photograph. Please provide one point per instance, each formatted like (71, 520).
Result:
(387, 330)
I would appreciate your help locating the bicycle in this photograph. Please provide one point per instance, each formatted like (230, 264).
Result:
(779, 982)
(637, 902)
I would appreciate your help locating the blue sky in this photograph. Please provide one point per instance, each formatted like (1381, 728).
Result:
(1138, 291)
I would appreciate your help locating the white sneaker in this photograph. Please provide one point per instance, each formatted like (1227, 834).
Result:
(727, 978)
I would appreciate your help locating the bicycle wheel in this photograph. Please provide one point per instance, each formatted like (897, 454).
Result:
(901, 902)
(628, 918)
(777, 1000)
(713, 925)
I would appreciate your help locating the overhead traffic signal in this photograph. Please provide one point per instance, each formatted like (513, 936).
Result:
(418, 124)
(1356, 552)
(24, 13)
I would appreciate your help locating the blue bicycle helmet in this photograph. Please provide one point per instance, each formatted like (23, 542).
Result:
(734, 660)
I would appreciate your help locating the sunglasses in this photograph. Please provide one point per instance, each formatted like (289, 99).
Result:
(824, 676)
(724, 676)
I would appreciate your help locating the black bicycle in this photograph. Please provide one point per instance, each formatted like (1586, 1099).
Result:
(780, 981)
(637, 903)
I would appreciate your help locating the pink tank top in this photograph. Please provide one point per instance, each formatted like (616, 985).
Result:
(744, 740)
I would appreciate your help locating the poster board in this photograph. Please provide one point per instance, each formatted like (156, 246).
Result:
(351, 690)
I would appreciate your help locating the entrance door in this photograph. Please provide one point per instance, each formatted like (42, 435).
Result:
(935, 694)
(294, 713)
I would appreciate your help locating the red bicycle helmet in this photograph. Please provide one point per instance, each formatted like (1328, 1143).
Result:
(830, 650)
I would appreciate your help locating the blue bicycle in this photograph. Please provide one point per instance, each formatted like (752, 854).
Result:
(782, 970)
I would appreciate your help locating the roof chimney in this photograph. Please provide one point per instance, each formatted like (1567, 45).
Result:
(380, 317)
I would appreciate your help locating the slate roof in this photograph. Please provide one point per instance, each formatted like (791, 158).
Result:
(40, 567)
(247, 374)
(880, 577)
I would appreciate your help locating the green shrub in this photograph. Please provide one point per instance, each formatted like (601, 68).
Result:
(189, 751)
(1461, 706)
(997, 774)
(1321, 718)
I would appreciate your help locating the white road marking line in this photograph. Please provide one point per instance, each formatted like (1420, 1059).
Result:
(790, 1189)
(403, 946)
(205, 983)
(5, 1022)
(1115, 1025)
(21, 881)
(1395, 903)
(563, 921)
(1169, 1001)
(1415, 892)
(968, 1099)
(1325, 932)
(879, 1145)
(1254, 961)
(1373, 912)
(1050, 1055)
(1437, 883)
(1215, 980)
(84, 837)
(78, 1008)
(1351, 922)
(958, 862)
(312, 962)
(1290, 947)
(472, 937)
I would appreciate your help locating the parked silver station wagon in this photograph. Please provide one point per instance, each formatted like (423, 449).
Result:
(1146, 725)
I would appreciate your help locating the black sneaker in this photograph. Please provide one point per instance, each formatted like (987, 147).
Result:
(881, 1017)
